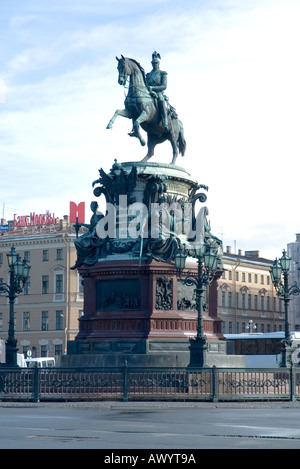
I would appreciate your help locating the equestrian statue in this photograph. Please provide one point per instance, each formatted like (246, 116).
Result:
(148, 107)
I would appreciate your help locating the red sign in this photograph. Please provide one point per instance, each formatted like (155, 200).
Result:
(77, 212)
(34, 219)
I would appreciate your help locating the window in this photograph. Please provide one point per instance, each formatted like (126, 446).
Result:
(262, 303)
(236, 300)
(44, 350)
(255, 302)
(230, 275)
(223, 299)
(45, 320)
(249, 278)
(58, 350)
(230, 299)
(80, 284)
(255, 278)
(1, 321)
(26, 321)
(59, 254)
(27, 256)
(262, 280)
(236, 276)
(26, 287)
(45, 255)
(59, 283)
(243, 301)
(249, 301)
(25, 349)
(45, 284)
(59, 320)
(243, 277)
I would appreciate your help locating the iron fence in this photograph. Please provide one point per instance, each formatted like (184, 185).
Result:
(124, 383)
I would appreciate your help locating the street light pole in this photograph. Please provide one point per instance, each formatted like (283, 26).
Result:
(280, 269)
(207, 266)
(251, 326)
(18, 274)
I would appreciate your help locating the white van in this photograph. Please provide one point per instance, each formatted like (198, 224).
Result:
(21, 360)
(42, 362)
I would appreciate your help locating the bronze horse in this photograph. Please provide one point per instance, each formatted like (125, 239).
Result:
(141, 107)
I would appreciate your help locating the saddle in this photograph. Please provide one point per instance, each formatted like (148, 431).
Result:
(170, 109)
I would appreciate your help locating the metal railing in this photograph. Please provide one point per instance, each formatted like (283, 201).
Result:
(124, 383)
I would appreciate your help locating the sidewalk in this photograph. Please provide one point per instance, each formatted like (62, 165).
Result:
(138, 405)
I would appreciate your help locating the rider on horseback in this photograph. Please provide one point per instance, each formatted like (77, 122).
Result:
(157, 84)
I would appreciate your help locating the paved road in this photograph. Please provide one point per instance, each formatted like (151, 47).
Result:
(157, 425)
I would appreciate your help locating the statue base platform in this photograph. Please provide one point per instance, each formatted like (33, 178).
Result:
(143, 313)
(144, 353)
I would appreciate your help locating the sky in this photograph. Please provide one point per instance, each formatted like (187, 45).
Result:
(233, 76)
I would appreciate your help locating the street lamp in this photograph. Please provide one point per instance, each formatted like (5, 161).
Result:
(18, 274)
(251, 326)
(207, 266)
(280, 269)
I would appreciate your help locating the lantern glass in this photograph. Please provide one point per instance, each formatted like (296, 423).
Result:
(12, 257)
(276, 271)
(180, 258)
(285, 261)
(18, 267)
(210, 260)
(26, 269)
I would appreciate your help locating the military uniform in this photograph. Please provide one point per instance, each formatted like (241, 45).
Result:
(157, 82)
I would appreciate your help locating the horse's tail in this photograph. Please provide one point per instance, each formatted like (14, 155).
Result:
(181, 139)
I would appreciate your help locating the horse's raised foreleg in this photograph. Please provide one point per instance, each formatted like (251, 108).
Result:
(119, 112)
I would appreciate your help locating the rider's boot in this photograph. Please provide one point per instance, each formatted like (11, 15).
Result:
(164, 115)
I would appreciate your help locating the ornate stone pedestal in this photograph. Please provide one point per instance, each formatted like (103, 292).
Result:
(140, 310)
(136, 308)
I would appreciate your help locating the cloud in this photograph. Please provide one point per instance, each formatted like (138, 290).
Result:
(232, 76)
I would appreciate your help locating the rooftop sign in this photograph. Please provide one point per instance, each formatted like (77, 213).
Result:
(34, 219)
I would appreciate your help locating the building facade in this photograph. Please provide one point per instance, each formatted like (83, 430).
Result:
(293, 251)
(47, 311)
(247, 300)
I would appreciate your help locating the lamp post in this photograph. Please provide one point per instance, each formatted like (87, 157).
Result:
(251, 326)
(207, 265)
(18, 274)
(279, 271)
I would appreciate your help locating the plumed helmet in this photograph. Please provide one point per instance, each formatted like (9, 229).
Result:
(155, 57)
